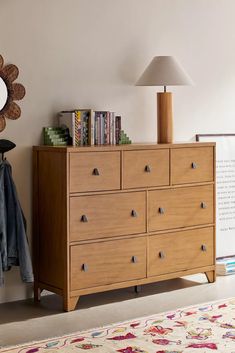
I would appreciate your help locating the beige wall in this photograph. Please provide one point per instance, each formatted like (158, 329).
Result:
(89, 53)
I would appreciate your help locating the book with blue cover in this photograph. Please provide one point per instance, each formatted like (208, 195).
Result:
(225, 265)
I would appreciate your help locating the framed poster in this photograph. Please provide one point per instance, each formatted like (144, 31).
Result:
(225, 191)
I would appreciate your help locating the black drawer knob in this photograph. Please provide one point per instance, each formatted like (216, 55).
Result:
(134, 213)
(134, 259)
(84, 218)
(85, 267)
(96, 171)
(203, 247)
(161, 210)
(203, 205)
(161, 255)
(147, 169)
(194, 165)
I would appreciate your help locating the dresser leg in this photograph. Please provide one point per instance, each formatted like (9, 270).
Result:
(37, 293)
(211, 276)
(70, 303)
(137, 289)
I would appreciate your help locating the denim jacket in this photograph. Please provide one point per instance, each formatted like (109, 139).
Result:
(14, 249)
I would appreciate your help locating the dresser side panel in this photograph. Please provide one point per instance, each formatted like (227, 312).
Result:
(52, 219)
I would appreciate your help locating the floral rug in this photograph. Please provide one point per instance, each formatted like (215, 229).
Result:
(203, 328)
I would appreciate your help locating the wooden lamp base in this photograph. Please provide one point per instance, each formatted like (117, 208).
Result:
(164, 117)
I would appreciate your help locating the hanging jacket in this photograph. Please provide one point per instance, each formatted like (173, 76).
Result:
(14, 248)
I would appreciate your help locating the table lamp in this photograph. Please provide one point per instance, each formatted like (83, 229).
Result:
(164, 71)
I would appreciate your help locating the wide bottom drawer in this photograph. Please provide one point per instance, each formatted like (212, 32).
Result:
(180, 251)
(103, 263)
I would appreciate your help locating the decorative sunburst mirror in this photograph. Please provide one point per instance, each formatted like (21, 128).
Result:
(10, 91)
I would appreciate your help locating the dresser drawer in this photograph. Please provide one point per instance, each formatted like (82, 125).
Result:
(94, 171)
(100, 216)
(180, 251)
(180, 207)
(145, 168)
(192, 165)
(107, 262)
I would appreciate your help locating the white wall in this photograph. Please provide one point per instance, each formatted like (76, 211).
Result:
(89, 53)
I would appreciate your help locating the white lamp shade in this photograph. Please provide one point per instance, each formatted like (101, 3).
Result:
(164, 71)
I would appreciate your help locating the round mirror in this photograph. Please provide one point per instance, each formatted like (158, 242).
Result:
(10, 91)
(3, 93)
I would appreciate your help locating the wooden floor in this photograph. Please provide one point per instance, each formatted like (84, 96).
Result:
(23, 321)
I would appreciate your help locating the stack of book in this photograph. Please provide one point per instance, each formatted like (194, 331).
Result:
(87, 127)
(225, 265)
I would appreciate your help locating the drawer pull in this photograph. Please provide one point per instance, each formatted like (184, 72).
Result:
(203, 205)
(194, 165)
(203, 247)
(84, 218)
(147, 169)
(96, 171)
(161, 210)
(134, 259)
(84, 267)
(161, 255)
(134, 213)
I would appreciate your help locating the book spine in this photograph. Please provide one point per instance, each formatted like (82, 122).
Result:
(78, 128)
(99, 128)
(102, 128)
(96, 128)
(73, 128)
(113, 129)
(118, 129)
(230, 265)
(108, 128)
(105, 132)
(85, 128)
(92, 128)
(110, 133)
(82, 128)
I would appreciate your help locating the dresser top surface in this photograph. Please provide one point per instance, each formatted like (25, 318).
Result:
(128, 147)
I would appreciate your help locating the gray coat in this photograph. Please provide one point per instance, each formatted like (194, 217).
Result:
(14, 249)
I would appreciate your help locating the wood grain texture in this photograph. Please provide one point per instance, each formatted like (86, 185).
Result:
(181, 207)
(211, 276)
(192, 165)
(70, 303)
(164, 117)
(129, 147)
(145, 168)
(36, 235)
(107, 262)
(84, 165)
(107, 215)
(163, 277)
(52, 218)
(214, 191)
(180, 251)
(64, 191)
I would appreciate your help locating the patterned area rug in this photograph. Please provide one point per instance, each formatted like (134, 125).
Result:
(203, 328)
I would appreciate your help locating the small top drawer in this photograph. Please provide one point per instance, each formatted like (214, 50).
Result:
(192, 165)
(94, 171)
(145, 168)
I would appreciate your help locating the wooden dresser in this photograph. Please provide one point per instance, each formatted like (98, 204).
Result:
(119, 216)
